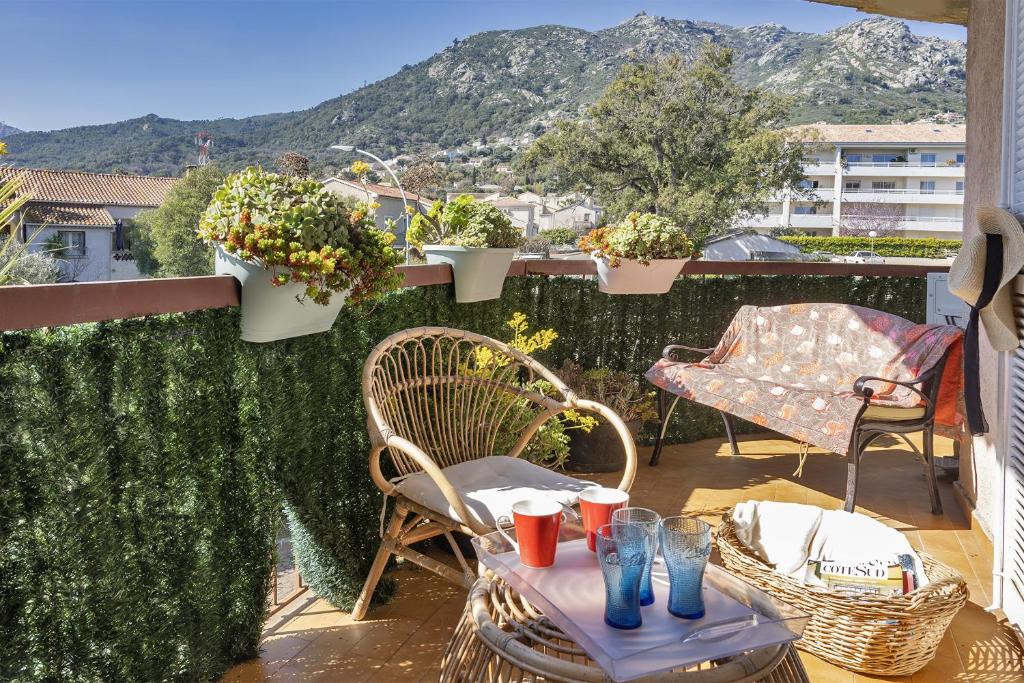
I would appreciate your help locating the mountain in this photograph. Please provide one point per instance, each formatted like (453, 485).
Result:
(7, 131)
(507, 83)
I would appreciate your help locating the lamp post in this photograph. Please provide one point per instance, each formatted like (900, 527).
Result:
(872, 235)
(405, 202)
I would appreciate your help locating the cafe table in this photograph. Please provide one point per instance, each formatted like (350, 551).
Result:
(502, 638)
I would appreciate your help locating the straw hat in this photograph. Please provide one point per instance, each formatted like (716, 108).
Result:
(967, 274)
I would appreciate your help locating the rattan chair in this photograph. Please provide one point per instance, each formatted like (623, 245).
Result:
(454, 410)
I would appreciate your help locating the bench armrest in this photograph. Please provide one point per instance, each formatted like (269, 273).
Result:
(669, 352)
(861, 389)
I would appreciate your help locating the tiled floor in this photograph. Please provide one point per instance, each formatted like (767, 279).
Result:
(405, 639)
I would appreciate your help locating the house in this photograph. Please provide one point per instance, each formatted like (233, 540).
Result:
(579, 213)
(747, 245)
(389, 198)
(521, 213)
(902, 177)
(86, 212)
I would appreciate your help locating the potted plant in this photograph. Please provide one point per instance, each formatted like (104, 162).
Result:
(535, 248)
(475, 238)
(642, 255)
(299, 251)
(598, 449)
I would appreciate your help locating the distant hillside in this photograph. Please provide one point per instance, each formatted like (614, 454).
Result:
(506, 83)
(7, 131)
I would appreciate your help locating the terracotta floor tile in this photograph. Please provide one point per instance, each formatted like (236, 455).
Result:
(405, 640)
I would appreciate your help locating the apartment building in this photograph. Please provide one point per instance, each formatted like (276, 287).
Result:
(905, 179)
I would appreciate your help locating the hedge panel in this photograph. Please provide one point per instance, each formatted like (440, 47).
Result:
(897, 247)
(143, 462)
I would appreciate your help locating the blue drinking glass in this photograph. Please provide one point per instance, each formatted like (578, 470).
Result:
(686, 546)
(622, 552)
(648, 521)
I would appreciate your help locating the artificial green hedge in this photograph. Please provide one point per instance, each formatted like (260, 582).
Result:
(902, 247)
(144, 461)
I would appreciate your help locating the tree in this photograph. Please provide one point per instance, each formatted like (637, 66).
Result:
(164, 239)
(689, 142)
(294, 164)
(861, 218)
(423, 177)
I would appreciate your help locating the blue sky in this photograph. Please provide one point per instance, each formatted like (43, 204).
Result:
(76, 62)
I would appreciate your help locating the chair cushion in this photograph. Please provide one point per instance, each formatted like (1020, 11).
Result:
(893, 413)
(490, 486)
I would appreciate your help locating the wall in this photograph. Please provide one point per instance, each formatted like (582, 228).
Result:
(979, 472)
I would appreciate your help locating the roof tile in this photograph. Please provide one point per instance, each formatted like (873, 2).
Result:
(91, 188)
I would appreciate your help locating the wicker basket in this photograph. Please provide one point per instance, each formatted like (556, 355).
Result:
(888, 636)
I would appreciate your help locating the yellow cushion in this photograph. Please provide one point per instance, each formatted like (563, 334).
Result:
(893, 414)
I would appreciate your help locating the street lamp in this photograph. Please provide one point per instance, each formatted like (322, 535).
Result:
(872, 235)
(405, 202)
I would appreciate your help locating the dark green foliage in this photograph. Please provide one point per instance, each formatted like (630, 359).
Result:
(138, 459)
(885, 246)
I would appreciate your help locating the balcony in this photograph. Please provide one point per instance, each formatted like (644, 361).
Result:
(905, 196)
(903, 169)
(810, 220)
(163, 422)
(950, 224)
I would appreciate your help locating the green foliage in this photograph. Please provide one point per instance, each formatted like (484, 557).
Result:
(906, 247)
(685, 141)
(559, 236)
(535, 245)
(164, 240)
(144, 460)
(464, 222)
(641, 237)
(302, 232)
(11, 248)
(628, 395)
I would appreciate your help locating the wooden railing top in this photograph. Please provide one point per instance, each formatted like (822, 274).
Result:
(29, 306)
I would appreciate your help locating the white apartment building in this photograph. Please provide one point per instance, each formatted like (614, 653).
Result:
(907, 177)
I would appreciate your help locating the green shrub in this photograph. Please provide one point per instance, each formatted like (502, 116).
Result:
(464, 222)
(903, 247)
(559, 236)
(144, 460)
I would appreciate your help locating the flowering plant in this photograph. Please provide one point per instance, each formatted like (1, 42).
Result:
(642, 237)
(301, 232)
(464, 222)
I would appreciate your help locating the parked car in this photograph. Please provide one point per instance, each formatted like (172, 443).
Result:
(823, 256)
(863, 257)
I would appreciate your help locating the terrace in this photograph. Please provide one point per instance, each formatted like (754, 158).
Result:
(315, 432)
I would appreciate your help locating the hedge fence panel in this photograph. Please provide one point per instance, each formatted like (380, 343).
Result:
(143, 463)
(895, 247)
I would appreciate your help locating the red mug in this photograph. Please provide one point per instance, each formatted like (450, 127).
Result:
(536, 523)
(597, 505)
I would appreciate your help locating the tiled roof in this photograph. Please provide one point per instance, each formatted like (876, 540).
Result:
(381, 190)
(68, 214)
(920, 133)
(92, 188)
(510, 202)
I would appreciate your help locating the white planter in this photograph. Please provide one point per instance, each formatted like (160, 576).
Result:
(479, 273)
(270, 313)
(633, 277)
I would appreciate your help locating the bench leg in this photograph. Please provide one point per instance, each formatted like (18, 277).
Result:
(730, 432)
(664, 413)
(929, 470)
(853, 473)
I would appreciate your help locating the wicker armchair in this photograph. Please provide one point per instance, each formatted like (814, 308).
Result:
(453, 411)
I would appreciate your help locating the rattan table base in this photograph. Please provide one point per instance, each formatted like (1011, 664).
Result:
(502, 638)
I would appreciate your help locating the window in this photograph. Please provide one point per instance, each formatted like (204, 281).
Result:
(74, 243)
(808, 184)
(852, 184)
(961, 159)
(854, 158)
(805, 210)
(927, 187)
(927, 158)
(882, 158)
(883, 185)
(959, 187)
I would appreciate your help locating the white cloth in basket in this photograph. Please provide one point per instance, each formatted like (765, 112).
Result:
(787, 535)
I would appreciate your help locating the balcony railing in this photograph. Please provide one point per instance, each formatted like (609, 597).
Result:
(905, 164)
(910, 219)
(898, 190)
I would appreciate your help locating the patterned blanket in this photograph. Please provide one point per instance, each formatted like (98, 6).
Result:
(791, 368)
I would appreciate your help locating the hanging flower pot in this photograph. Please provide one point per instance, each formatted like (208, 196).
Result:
(475, 238)
(633, 277)
(479, 272)
(271, 312)
(642, 255)
(299, 252)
